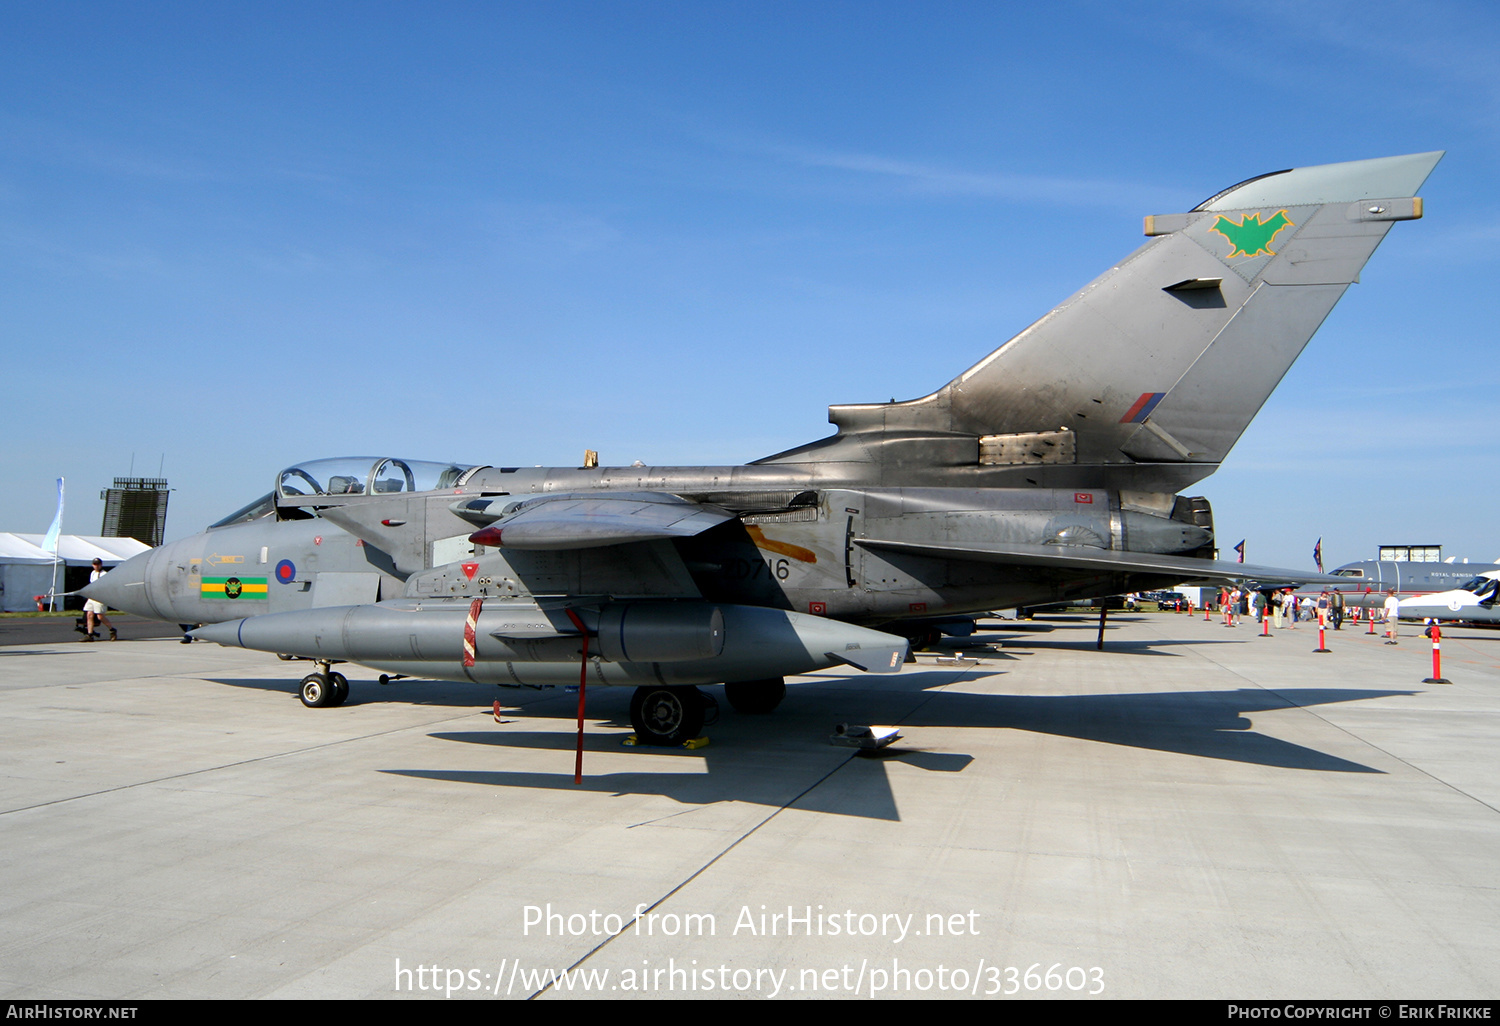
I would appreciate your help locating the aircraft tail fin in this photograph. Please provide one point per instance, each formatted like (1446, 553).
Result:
(1147, 376)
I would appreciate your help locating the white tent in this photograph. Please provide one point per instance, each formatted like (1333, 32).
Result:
(26, 569)
(75, 549)
(13, 549)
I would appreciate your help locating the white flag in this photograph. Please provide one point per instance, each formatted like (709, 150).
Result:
(49, 543)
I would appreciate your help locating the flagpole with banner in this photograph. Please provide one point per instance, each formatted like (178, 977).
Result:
(1318, 554)
(1240, 548)
(49, 543)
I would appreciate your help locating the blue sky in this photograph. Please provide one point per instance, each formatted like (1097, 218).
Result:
(235, 237)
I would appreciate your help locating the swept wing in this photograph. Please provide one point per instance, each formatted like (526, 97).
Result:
(1184, 568)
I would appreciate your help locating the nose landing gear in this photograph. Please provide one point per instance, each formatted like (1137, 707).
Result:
(325, 688)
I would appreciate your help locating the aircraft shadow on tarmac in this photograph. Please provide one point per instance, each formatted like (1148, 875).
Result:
(1206, 724)
(843, 782)
(413, 691)
(1011, 640)
(1023, 646)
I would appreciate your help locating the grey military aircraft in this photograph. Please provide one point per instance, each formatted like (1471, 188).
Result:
(1368, 581)
(1051, 470)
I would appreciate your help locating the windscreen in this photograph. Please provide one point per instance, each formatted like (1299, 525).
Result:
(261, 507)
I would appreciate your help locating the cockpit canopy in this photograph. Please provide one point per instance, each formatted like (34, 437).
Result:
(1484, 586)
(348, 475)
(365, 475)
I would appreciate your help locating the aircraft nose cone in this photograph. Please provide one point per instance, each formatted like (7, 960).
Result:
(124, 587)
(223, 633)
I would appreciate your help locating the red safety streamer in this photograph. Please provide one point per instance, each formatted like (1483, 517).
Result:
(583, 679)
(471, 635)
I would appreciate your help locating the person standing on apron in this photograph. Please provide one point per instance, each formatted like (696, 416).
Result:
(94, 610)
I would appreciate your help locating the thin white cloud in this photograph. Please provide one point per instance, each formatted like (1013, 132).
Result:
(293, 262)
(1423, 437)
(1476, 387)
(918, 177)
(46, 252)
(953, 182)
(59, 144)
(551, 230)
(1447, 41)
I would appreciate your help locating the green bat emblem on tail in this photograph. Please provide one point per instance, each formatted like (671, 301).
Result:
(1251, 236)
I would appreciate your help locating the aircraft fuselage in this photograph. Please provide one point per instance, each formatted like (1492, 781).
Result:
(792, 548)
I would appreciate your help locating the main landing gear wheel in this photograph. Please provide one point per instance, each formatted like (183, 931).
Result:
(666, 716)
(755, 696)
(926, 638)
(322, 691)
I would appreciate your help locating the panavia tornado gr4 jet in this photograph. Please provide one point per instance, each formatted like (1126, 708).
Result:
(1049, 471)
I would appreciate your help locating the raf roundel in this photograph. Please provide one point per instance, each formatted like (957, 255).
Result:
(286, 571)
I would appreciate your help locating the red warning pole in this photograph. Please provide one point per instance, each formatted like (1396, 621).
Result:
(1437, 658)
(583, 679)
(1265, 623)
(1322, 626)
(1370, 612)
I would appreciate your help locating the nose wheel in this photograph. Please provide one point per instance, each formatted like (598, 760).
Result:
(324, 689)
(666, 716)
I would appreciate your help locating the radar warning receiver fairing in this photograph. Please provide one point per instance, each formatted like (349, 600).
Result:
(1049, 471)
